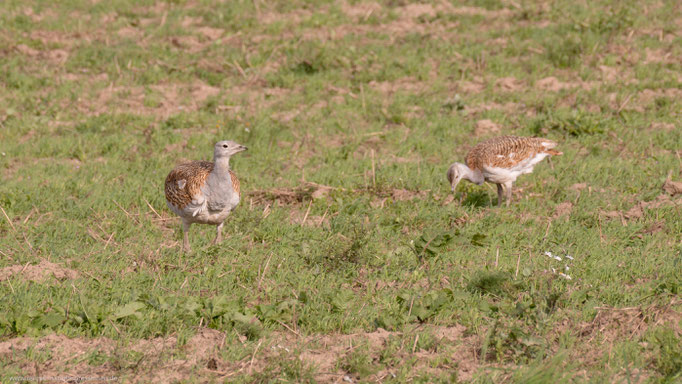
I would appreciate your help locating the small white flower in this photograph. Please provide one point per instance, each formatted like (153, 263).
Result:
(553, 270)
(566, 268)
(557, 258)
(565, 276)
(549, 254)
(247, 129)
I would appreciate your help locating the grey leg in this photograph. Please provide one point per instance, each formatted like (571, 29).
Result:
(499, 195)
(508, 190)
(185, 236)
(218, 234)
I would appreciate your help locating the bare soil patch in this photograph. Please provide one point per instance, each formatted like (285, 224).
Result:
(55, 38)
(563, 209)
(129, 32)
(553, 84)
(648, 97)
(672, 187)
(411, 11)
(361, 11)
(167, 99)
(509, 84)
(477, 85)
(658, 126)
(407, 84)
(39, 272)
(407, 195)
(160, 362)
(615, 323)
(293, 17)
(326, 351)
(486, 127)
(412, 18)
(639, 209)
(53, 56)
(290, 196)
(508, 107)
(660, 55)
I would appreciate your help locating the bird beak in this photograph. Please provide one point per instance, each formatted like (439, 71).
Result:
(454, 183)
(243, 148)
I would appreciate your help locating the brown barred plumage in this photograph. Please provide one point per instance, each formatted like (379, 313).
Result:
(194, 174)
(235, 182)
(507, 151)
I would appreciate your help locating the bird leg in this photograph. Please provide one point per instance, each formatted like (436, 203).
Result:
(218, 234)
(185, 236)
(499, 195)
(508, 190)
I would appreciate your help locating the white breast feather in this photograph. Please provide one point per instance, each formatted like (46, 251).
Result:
(499, 175)
(503, 175)
(197, 205)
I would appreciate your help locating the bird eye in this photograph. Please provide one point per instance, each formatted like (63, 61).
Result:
(224, 145)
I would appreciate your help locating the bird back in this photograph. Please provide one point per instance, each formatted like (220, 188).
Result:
(508, 151)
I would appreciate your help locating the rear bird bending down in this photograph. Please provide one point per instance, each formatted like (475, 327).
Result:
(501, 160)
(204, 192)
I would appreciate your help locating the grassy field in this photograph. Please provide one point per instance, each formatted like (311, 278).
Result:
(348, 260)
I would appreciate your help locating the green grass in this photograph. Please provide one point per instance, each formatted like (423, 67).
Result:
(99, 101)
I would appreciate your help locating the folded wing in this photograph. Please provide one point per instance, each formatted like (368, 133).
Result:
(510, 152)
(183, 187)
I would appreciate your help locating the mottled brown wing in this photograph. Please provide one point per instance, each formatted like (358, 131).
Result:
(235, 182)
(185, 181)
(507, 151)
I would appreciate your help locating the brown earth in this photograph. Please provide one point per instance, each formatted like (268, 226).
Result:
(40, 272)
(162, 360)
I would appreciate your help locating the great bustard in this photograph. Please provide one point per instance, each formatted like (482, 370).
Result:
(204, 192)
(501, 160)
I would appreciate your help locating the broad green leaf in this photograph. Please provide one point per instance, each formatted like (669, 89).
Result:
(130, 309)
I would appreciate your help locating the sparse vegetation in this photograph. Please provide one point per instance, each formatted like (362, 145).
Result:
(348, 256)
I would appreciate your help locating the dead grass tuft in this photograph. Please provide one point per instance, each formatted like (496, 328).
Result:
(290, 196)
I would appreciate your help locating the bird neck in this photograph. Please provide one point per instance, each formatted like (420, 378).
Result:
(474, 176)
(222, 164)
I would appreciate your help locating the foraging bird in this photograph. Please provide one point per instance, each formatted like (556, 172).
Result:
(501, 160)
(204, 192)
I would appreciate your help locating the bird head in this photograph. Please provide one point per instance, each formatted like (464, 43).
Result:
(227, 148)
(455, 173)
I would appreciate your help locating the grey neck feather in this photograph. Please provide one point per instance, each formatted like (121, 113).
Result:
(475, 177)
(222, 164)
(218, 187)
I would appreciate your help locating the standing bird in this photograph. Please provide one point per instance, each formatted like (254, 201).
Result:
(204, 192)
(501, 160)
